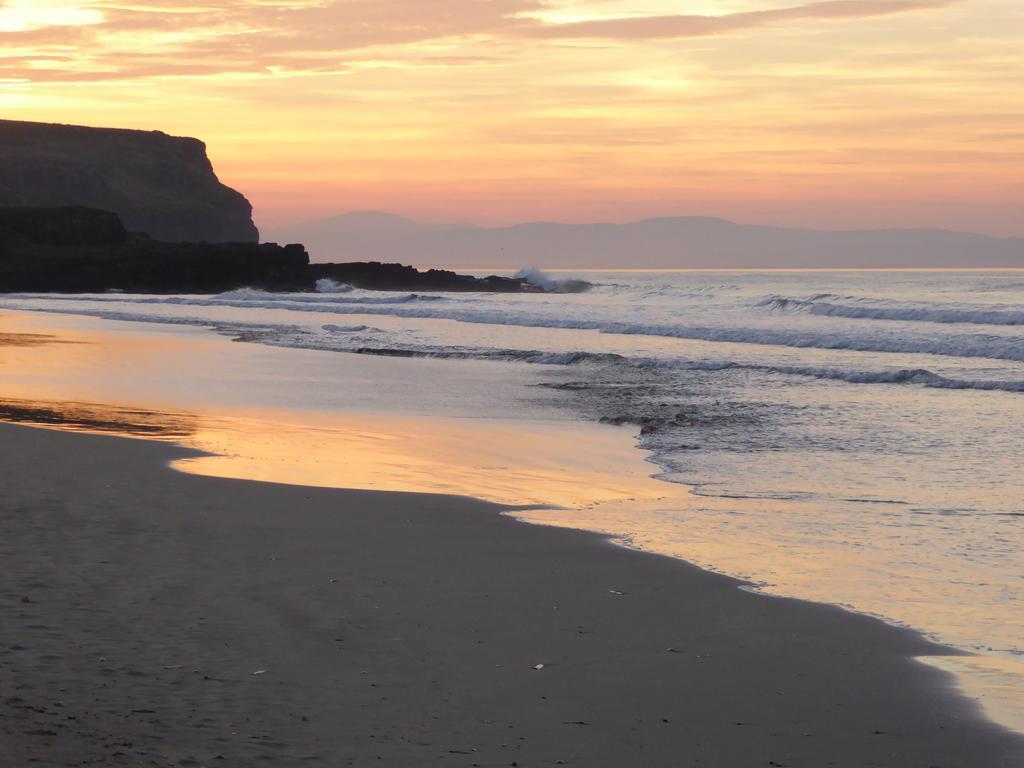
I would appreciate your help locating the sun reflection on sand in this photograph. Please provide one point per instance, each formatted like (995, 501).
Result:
(510, 463)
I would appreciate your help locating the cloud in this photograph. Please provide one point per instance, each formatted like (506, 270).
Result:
(129, 40)
(682, 26)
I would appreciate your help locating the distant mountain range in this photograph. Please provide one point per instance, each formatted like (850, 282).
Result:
(662, 243)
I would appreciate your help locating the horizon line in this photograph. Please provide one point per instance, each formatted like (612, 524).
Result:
(470, 225)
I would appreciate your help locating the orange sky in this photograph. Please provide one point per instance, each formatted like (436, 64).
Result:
(836, 113)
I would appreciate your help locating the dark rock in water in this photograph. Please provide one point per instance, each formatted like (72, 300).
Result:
(375, 276)
(160, 185)
(82, 250)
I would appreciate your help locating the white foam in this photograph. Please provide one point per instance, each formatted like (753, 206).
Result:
(489, 311)
(540, 279)
(326, 285)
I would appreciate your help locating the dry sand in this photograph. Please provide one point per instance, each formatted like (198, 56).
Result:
(157, 618)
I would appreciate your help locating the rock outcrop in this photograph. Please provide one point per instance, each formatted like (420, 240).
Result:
(374, 276)
(68, 226)
(83, 250)
(159, 185)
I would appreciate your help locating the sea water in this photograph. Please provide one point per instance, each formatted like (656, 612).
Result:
(850, 437)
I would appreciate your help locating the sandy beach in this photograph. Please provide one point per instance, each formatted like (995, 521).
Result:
(160, 618)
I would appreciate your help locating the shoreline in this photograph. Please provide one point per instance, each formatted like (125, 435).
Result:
(248, 620)
(601, 489)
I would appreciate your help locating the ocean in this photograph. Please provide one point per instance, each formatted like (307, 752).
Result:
(850, 437)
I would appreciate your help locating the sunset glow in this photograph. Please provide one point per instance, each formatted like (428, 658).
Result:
(841, 113)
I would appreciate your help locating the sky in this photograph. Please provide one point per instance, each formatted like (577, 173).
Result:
(834, 113)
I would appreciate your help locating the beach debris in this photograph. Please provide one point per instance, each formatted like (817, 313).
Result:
(260, 672)
(538, 667)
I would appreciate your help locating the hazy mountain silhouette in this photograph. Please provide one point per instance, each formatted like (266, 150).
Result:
(682, 242)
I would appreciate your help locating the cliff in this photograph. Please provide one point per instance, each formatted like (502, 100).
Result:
(160, 185)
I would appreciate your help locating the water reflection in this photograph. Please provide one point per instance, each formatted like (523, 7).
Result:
(29, 339)
(98, 417)
(508, 462)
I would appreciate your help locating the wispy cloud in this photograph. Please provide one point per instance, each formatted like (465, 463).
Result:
(682, 26)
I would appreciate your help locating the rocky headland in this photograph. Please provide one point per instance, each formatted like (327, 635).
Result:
(100, 209)
(85, 250)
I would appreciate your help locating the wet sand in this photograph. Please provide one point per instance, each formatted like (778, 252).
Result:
(153, 617)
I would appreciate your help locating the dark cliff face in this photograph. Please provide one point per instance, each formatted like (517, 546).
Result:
(159, 185)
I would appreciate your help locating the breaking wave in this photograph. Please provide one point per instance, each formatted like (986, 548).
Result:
(974, 345)
(920, 376)
(917, 314)
(540, 279)
(326, 285)
(252, 297)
